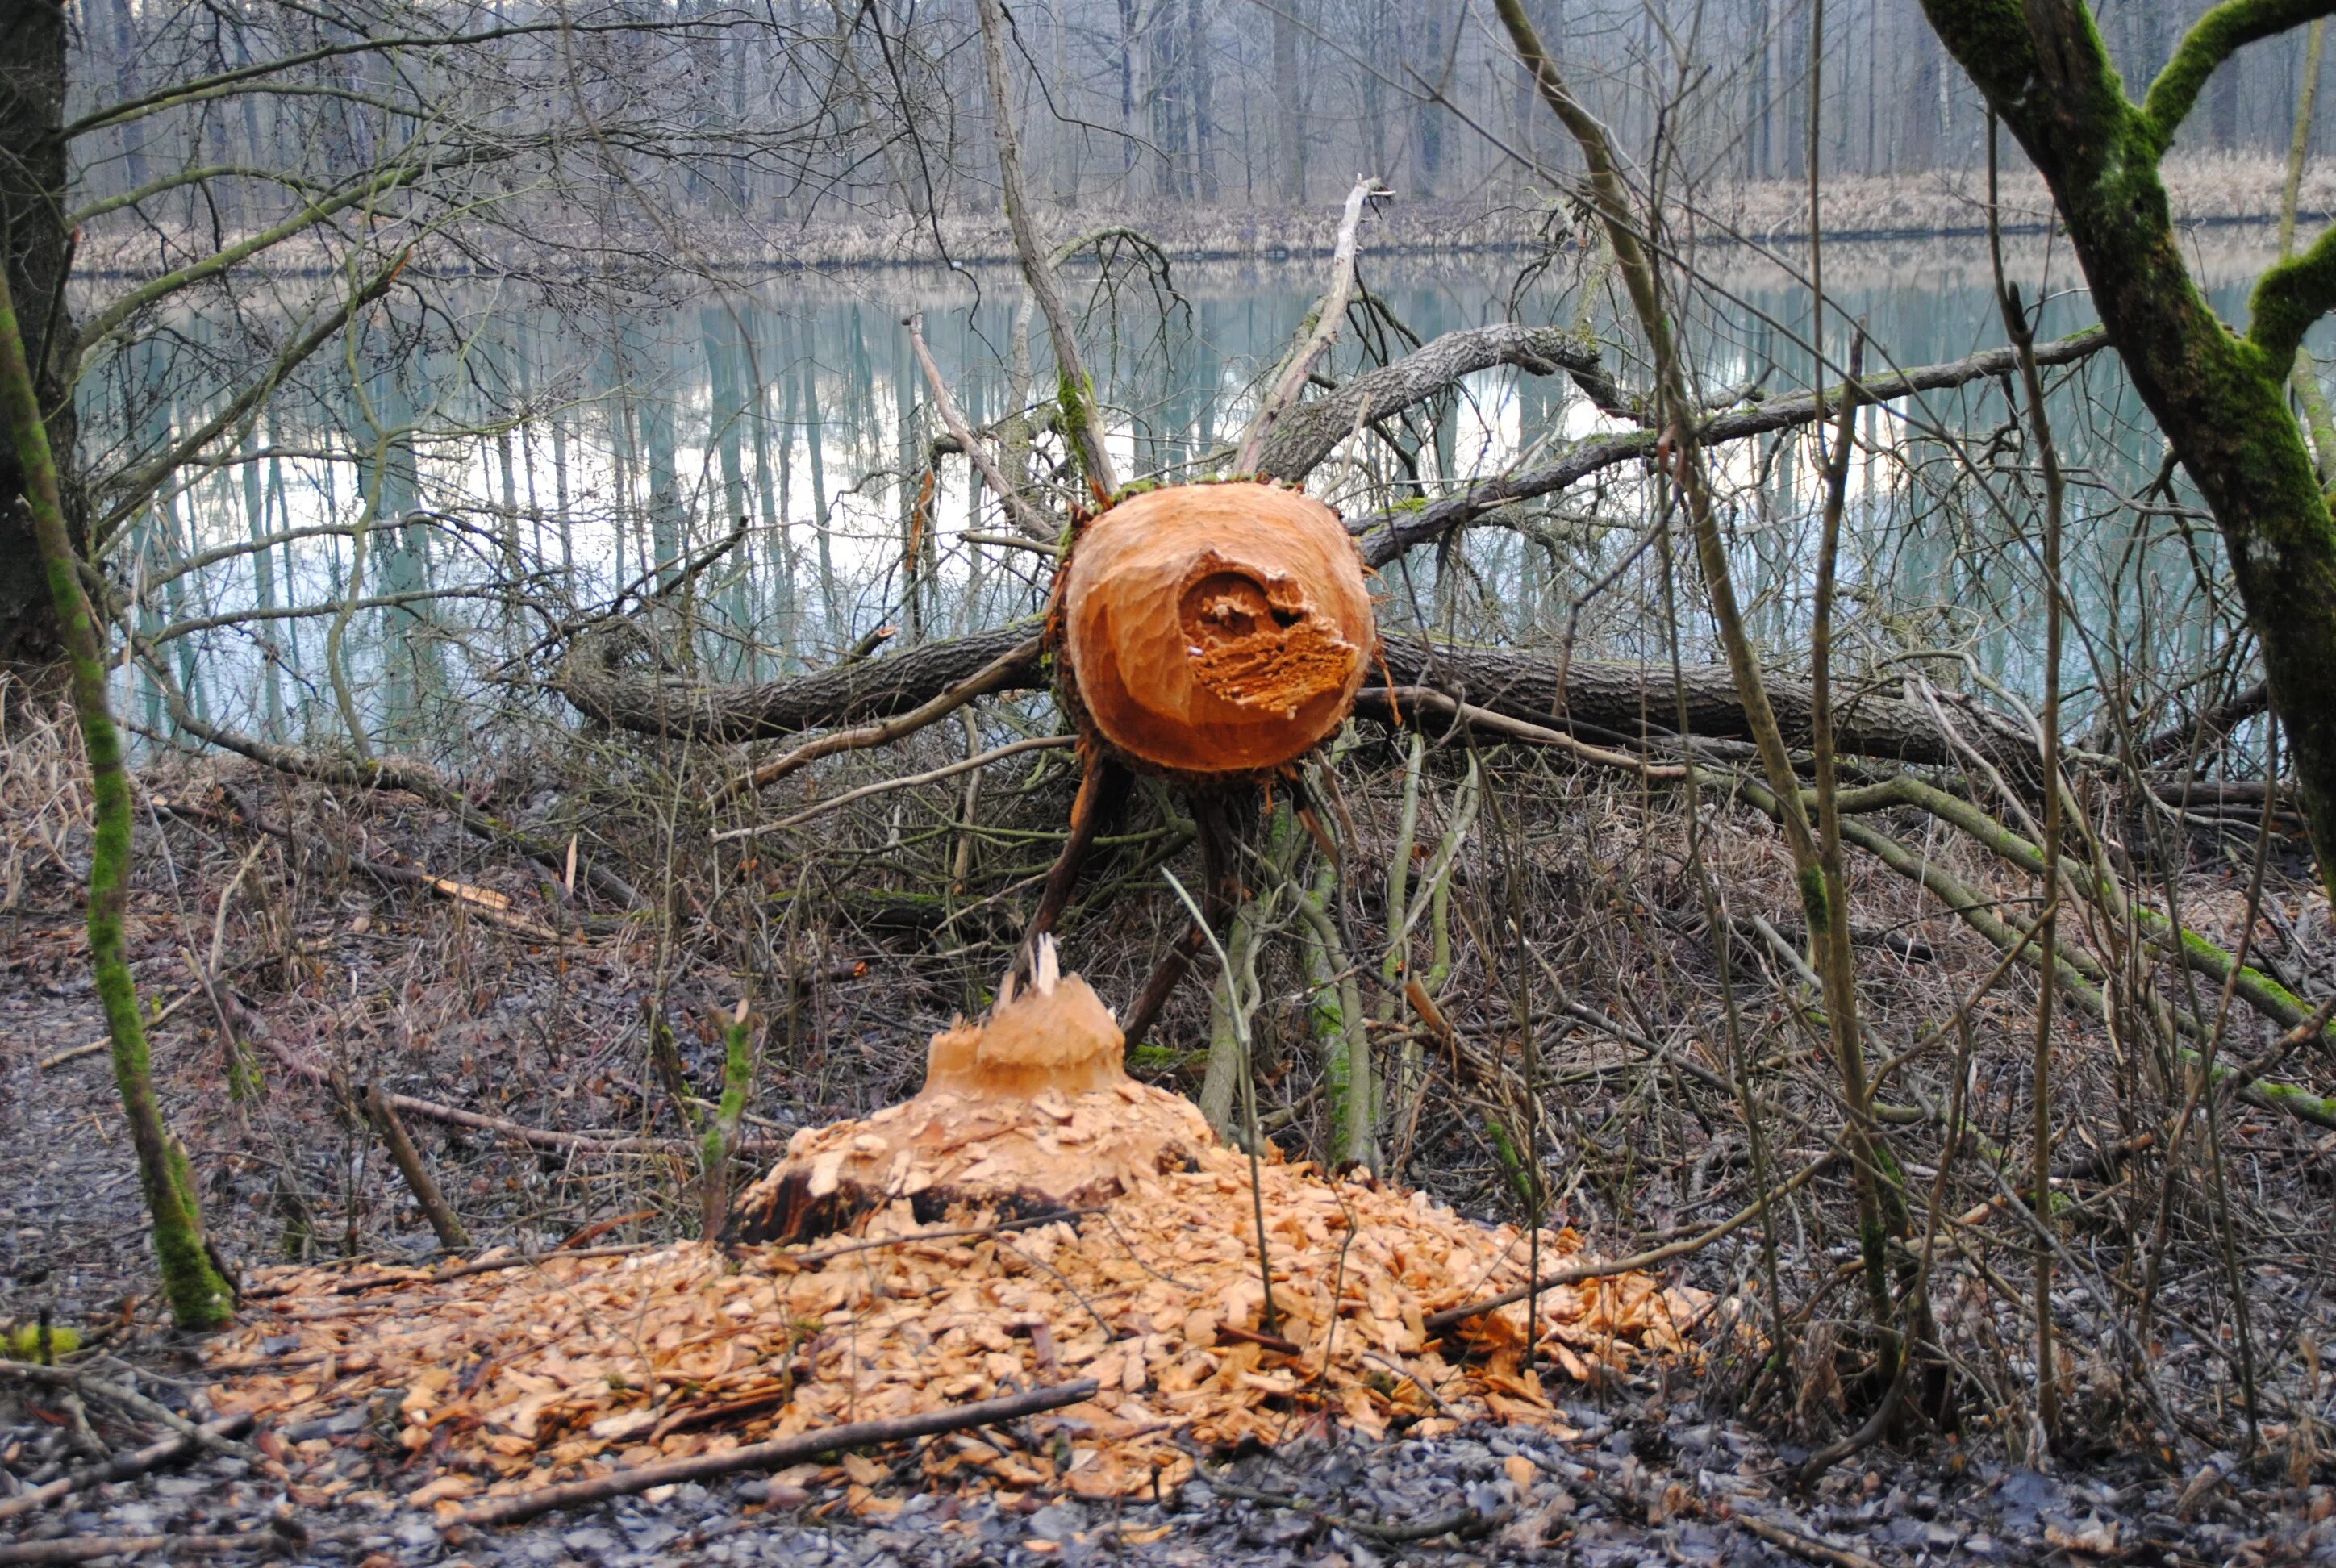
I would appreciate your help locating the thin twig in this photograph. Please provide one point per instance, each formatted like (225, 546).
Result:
(124, 1466)
(1028, 517)
(997, 674)
(130, 1400)
(1637, 1262)
(907, 781)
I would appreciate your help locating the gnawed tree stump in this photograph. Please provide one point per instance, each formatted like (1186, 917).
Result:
(1028, 1112)
(1213, 631)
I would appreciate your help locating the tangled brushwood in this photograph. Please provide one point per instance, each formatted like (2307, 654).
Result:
(1712, 876)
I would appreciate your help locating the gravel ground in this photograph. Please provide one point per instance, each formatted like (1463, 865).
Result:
(1653, 1477)
(1643, 1482)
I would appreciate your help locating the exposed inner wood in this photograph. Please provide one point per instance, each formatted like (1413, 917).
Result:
(1030, 1110)
(1214, 629)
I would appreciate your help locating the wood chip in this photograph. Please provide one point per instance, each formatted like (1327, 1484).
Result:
(518, 1379)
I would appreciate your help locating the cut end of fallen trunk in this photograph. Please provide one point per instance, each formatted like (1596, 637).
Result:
(1027, 1112)
(1213, 630)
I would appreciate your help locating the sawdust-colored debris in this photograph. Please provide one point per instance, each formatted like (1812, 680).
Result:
(501, 1382)
(1030, 1108)
(1212, 630)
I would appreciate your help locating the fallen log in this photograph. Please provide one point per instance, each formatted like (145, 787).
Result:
(1592, 695)
(774, 1455)
(597, 683)
(593, 680)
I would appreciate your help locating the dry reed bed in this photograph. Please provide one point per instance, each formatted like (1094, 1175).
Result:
(2206, 188)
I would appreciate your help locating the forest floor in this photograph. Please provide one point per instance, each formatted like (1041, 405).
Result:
(455, 1000)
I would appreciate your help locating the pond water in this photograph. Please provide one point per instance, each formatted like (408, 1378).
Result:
(415, 511)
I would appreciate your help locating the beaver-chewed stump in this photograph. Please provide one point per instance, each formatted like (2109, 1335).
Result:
(1028, 1112)
(1211, 631)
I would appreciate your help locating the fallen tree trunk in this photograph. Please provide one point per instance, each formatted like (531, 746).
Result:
(598, 684)
(1610, 696)
(1604, 695)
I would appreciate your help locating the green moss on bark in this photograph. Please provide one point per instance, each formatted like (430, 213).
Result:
(722, 1134)
(199, 1298)
(2221, 398)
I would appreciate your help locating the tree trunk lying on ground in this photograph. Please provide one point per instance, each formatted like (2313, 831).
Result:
(1599, 696)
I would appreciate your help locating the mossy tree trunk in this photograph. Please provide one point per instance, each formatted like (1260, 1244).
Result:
(722, 1133)
(38, 254)
(199, 1298)
(2220, 396)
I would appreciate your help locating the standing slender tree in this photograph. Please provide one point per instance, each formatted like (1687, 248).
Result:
(199, 1297)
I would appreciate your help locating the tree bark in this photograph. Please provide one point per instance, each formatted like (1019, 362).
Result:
(1306, 432)
(1288, 106)
(2220, 396)
(199, 1297)
(1598, 695)
(39, 255)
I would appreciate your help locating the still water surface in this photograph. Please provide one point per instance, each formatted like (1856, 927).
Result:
(432, 499)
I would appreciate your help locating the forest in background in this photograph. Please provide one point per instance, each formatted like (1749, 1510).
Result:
(1827, 821)
(795, 116)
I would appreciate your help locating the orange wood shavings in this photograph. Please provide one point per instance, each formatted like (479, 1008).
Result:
(503, 1381)
(1029, 1109)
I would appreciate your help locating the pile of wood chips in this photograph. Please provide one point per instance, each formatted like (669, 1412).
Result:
(506, 1380)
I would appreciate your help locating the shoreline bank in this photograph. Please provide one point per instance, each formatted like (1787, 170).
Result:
(2234, 196)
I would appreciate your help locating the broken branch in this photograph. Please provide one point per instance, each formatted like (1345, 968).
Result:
(124, 1466)
(1330, 314)
(774, 1454)
(418, 1180)
(998, 674)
